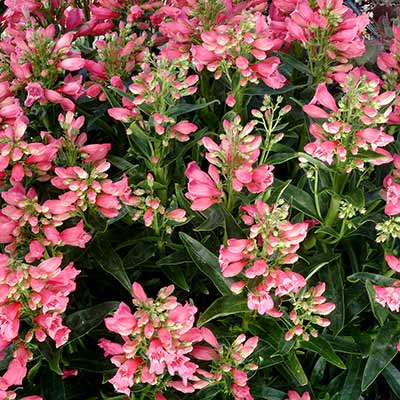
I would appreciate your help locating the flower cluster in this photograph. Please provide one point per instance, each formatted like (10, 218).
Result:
(159, 86)
(257, 262)
(157, 340)
(351, 133)
(160, 346)
(243, 44)
(146, 205)
(389, 296)
(234, 158)
(329, 31)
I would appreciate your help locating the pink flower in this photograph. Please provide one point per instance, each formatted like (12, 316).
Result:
(262, 302)
(376, 137)
(241, 392)
(323, 151)
(72, 64)
(203, 57)
(35, 92)
(69, 372)
(138, 293)
(177, 215)
(323, 97)
(7, 228)
(293, 395)
(234, 257)
(122, 322)
(182, 130)
(202, 187)
(315, 112)
(391, 194)
(52, 325)
(256, 180)
(75, 236)
(123, 379)
(287, 282)
(9, 321)
(388, 296)
(121, 114)
(393, 262)
(267, 70)
(16, 370)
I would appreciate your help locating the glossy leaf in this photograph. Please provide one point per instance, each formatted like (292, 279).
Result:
(374, 278)
(206, 262)
(352, 384)
(392, 376)
(111, 262)
(382, 352)
(380, 313)
(226, 305)
(83, 321)
(324, 349)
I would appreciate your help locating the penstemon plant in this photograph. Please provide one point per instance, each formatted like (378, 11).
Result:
(198, 200)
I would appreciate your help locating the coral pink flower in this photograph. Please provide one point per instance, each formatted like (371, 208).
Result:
(9, 322)
(123, 379)
(75, 236)
(324, 98)
(388, 296)
(241, 392)
(391, 194)
(287, 282)
(262, 302)
(234, 257)
(35, 92)
(122, 322)
(182, 130)
(293, 395)
(52, 325)
(267, 70)
(393, 262)
(202, 187)
(323, 151)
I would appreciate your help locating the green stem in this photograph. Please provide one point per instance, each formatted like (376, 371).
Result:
(332, 211)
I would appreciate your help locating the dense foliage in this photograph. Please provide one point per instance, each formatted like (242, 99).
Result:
(199, 199)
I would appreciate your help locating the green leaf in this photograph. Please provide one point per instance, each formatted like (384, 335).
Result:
(177, 276)
(294, 62)
(51, 355)
(263, 392)
(111, 262)
(295, 368)
(324, 349)
(223, 306)
(332, 275)
(122, 164)
(52, 386)
(139, 254)
(83, 321)
(380, 313)
(392, 376)
(318, 371)
(343, 344)
(382, 351)
(214, 218)
(280, 158)
(185, 108)
(176, 258)
(262, 89)
(206, 262)
(374, 278)
(352, 384)
(300, 199)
